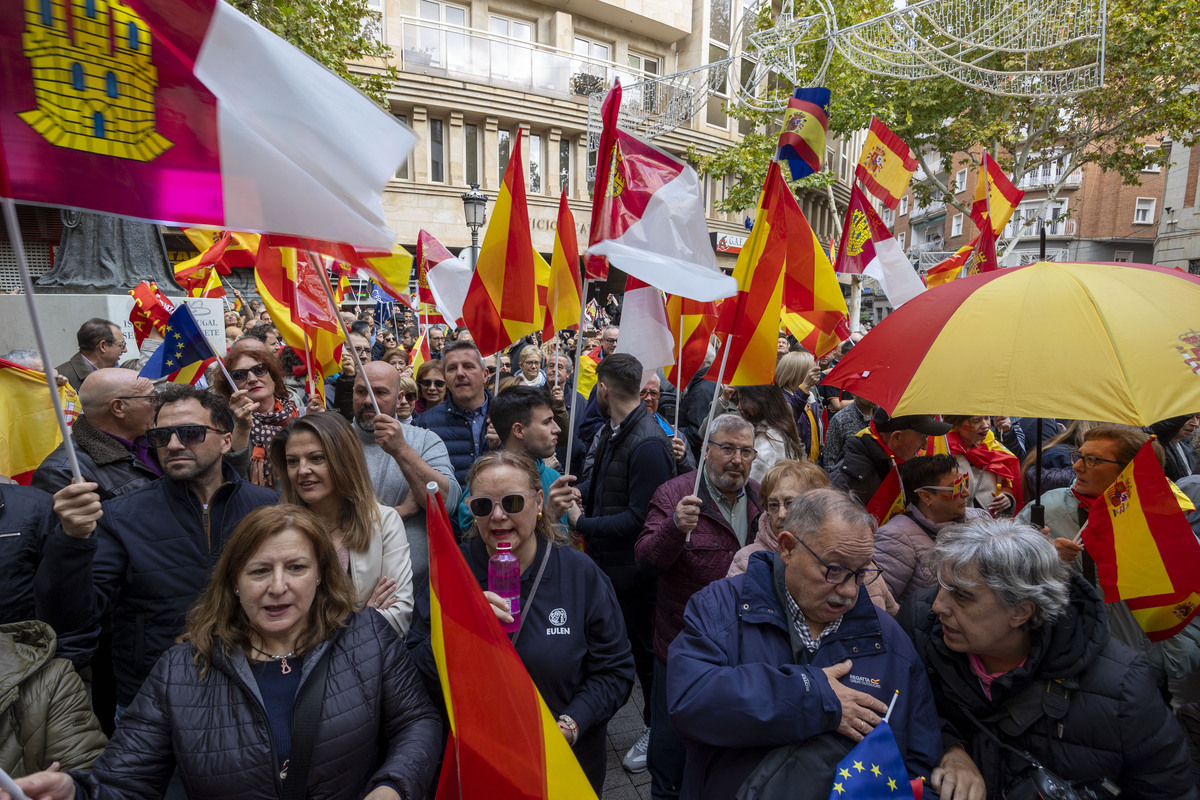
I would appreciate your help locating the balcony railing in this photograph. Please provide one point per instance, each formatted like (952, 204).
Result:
(1047, 177)
(924, 211)
(452, 51)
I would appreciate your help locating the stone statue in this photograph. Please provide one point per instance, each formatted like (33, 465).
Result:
(103, 254)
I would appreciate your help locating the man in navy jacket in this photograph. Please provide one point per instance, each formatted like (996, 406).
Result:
(794, 649)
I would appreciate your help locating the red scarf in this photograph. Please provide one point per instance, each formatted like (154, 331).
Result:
(994, 457)
(874, 433)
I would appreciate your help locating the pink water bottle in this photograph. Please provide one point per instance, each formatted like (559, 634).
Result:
(504, 578)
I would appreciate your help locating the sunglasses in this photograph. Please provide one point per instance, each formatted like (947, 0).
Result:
(410, 397)
(240, 375)
(961, 487)
(481, 506)
(427, 383)
(188, 434)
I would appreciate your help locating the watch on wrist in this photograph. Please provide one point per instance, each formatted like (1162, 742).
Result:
(571, 725)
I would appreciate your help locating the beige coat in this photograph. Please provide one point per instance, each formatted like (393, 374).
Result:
(386, 555)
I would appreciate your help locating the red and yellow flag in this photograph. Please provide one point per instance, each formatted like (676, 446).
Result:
(982, 257)
(1144, 548)
(420, 352)
(586, 374)
(948, 270)
(564, 300)
(886, 164)
(151, 310)
(28, 427)
(292, 293)
(692, 323)
(996, 198)
(502, 301)
(503, 742)
(888, 500)
(813, 305)
(749, 323)
(994, 457)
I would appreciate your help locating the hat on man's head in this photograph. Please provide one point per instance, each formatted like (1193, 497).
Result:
(922, 423)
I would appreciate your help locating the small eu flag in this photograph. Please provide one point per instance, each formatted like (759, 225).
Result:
(873, 770)
(183, 345)
(385, 304)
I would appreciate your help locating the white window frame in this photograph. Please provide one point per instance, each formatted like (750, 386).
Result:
(446, 49)
(1122, 256)
(956, 225)
(378, 8)
(900, 239)
(1147, 204)
(960, 181)
(444, 147)
(888, 216)
(1152, 167)
(903, 206)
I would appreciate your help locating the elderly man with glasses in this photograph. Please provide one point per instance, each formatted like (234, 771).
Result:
(144, 557)
(795, 651)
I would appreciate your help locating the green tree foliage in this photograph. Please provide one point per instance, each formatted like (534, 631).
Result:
(337, 33)
(1151, 76)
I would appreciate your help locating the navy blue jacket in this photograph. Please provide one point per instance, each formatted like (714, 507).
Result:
(452, 422)
(735, 689)
(25, 515)
(148, 560)
(573, 644)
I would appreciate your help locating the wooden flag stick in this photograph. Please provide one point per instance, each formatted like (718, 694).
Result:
(358, 364)
(574, 388)
(712, 414)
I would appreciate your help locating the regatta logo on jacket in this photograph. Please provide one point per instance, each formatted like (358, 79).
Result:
(558, 618)
(862, 681)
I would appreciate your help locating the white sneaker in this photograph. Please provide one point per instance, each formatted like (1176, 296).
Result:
(635, 759)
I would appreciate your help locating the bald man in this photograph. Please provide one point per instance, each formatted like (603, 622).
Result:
(109, 436)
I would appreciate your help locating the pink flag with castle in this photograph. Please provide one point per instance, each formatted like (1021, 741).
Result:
(186, 111)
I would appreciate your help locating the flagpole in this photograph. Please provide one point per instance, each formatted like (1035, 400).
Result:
(679, 371)
(574, 388)
(220, 361)
(358, 364)
(712, 413)
(308, 376)
(18, 245)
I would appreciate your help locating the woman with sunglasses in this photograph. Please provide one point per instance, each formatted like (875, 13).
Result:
(937, 496)
(572, 639)
(319, 465)
(431, 385)
(257, 372)
(406, 399)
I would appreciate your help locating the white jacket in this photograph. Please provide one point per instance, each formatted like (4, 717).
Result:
(386, 554)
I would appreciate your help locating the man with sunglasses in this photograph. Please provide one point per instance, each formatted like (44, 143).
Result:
(343, 384)
(937, 496)
(144, 557)
(1105, 452)
(400, 457)
(793, 651)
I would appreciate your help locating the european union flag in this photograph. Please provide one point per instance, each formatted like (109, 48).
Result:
(873, 770)
(385, 304)
(805, 123)
(183, 345)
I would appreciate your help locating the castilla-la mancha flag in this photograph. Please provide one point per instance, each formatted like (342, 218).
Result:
(188, 112)
(647, 217)
(1144, 548)
(446, 278)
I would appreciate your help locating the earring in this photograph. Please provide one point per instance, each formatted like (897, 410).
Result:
(237, 592)
(539, 515)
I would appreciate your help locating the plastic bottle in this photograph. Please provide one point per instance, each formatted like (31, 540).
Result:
(504, 578)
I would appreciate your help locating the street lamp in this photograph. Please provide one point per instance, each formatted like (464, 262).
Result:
(475, 210)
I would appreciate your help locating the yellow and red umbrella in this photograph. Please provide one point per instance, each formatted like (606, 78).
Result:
(1109, 342)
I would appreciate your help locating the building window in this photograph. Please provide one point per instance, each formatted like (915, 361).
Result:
(511, 61)
(445, 48)
(887, 216)
(89, 8)
(956, 225)
(402, 171)
(47, 13)
(134, 35)
(98, 125)
(1143, 210)
(647, 68)
(77, 76)
(503, 150)
(535, 163)
(564, 165)
(1194, 266)
(900, 238)
(437, 152)
(720, 27)
(960, 181)
(374, 21)
(471, 153)
(1054, 219)
(1150, 151)
(1123, 256)
(903, 206)
(110, 84)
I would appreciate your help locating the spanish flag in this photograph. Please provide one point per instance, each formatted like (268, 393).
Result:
(805, 125)
(888, 500)
(503, 742)
(564, 300)
(749, 323)
(502, 301)
(1145, 551)
(886, 164)
(291, 291)
(951, 268)
(994, 457)
(420, 352)
(996, 198)
(28, 427)
(811, 292)
(586, 374)
(692, 323)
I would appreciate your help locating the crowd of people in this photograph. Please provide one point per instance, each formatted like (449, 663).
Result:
(235, 599)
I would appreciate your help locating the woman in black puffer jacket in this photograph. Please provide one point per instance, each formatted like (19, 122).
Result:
(1010, 639)
(219, 707)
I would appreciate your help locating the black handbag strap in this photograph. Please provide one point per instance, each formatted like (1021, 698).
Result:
(305, 719)
(537, 580)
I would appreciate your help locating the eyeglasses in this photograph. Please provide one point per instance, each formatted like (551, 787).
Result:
(240, 375)
(729, 451)
(151, 396)
(1090, 461)
(434, 383)
(650, 393)
(839, 575)
(363, 350)
(411, 397)
(961, 487)
(774, 506)
(120, 345)
(482, 505)
(609, 340)
(188, 434)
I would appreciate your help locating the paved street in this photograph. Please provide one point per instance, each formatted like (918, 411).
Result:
(623, 731)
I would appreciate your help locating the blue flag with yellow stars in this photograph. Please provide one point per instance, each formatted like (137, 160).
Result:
(873, 770)
(183, 345)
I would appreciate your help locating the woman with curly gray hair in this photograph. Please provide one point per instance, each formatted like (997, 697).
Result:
(1027, 679)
